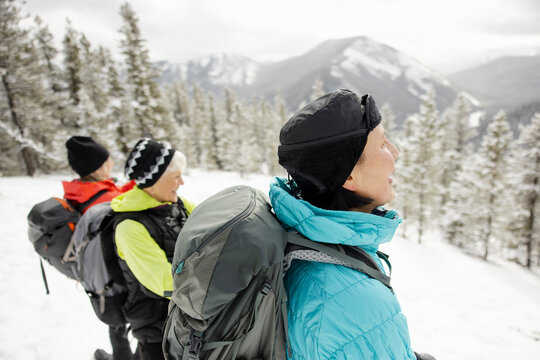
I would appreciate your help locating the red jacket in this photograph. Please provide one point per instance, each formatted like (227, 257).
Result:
(81, 191)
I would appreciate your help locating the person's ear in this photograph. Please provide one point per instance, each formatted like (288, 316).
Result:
(350, 184)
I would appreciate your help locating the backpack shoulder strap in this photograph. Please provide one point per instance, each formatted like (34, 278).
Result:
(80, 207)
(108, 247)
(147, 221)
(361, 262)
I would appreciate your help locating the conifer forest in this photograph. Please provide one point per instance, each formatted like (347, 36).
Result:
(480, 190)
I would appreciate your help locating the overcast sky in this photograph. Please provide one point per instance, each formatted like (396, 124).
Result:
(445, 35)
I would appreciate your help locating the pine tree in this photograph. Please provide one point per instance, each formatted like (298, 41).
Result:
(143, 92)
(459, 223)
(213, 148)
(525, 222)
(94, 75)
(57, 105)
(492, 169)
(455, 149)
(269, 141)
(202, 131)
(228, 137)
(93, 92)
(25, 117)
(422, 166)
(116, 116)
(180, 108)
(48, 51)
(87, 76)
(72, 64)
(247, 150)
(179, 102)
(264, 134)
(113, 117)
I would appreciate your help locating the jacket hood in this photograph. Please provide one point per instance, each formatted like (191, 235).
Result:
(135, 200)
(335, 227)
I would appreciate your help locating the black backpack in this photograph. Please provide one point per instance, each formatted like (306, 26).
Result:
(51, 224)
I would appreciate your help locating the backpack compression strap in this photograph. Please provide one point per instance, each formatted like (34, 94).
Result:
(360, 264)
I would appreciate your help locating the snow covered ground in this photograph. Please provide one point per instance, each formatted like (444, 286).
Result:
(458, 307)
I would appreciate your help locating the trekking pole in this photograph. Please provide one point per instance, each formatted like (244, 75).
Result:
(44, 277)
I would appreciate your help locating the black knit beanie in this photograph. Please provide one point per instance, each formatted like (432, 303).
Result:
(147, 161)
(321, 143)
(85, 155)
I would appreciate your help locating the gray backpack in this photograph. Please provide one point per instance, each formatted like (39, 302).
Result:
(107, 293)
(51, 224)
(229, 301)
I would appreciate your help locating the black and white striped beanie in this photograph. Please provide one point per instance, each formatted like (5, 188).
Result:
(147, 161)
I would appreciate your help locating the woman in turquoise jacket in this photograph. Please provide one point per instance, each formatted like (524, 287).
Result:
(340, 167)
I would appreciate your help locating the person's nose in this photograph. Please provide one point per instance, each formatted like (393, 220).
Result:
(394, 150)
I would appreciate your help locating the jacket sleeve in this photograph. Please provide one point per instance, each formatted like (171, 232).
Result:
(146, 260)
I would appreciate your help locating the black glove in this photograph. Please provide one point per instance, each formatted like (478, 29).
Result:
(424, 356)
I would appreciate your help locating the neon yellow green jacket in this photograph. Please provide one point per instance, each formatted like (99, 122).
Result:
(146, 260)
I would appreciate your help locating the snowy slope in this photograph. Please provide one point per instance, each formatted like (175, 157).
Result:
(507, 82)
(386, 63)
(458, 307)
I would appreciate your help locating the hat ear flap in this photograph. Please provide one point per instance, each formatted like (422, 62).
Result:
(371, 115)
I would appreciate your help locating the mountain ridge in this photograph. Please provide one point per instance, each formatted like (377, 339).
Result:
(358, 63)
(505, 83)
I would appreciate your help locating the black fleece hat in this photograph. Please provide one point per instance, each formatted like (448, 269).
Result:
(321, 143)
(85, 155)
(147, 161)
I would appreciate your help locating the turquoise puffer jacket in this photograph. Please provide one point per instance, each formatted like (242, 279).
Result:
(336, 312)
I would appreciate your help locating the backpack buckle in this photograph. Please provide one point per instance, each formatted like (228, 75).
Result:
(195, 344)
(266, 288)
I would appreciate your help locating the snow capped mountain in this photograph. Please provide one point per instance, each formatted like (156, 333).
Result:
(358, 63)
(383, 61)
(213, 71)
(231, 70)
(363, 65)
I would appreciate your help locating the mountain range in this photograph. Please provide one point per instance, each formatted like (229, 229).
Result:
(363, 65)
(503, 83)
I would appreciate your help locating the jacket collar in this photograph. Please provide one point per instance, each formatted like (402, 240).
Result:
(80, 191)
(135, 200)
(336, 227)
